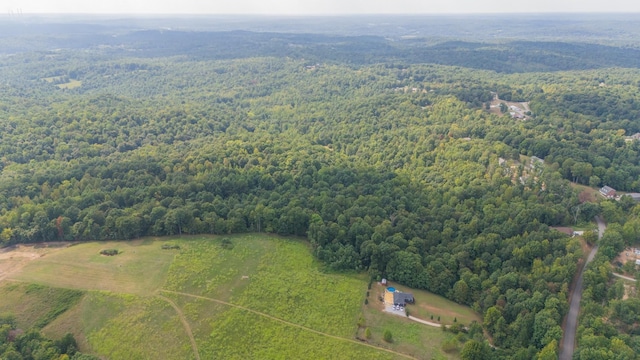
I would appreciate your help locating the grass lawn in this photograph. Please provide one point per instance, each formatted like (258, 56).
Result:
(141, 267)
(409, 337)
(428, 304)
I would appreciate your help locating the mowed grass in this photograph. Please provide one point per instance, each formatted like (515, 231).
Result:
(141, 267)
(429, 304)
(409, 337)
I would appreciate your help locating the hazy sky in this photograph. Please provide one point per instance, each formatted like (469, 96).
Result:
(316, 7)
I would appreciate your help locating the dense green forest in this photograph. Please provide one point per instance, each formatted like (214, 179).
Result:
(382, 154)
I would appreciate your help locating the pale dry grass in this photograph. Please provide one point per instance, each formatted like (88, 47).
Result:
(139, 269)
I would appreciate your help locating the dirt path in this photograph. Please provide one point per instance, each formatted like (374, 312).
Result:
(290, 323)
(187, 328)
(426, 322)
(624, 277)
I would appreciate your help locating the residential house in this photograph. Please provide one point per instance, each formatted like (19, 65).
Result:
(402, 298)
(608, 192)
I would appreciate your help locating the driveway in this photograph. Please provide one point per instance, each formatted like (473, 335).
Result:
(567, 345)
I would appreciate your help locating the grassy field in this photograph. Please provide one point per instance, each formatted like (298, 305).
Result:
(68, 85)
(35, 305)
(260, 297)
(72, 84)
(141, 267)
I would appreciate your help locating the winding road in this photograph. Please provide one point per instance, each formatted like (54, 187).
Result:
(571, 323)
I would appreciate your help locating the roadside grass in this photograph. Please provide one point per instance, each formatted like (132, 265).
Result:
(409, 337)
(239, 334)
(140, 269)
(36, 305)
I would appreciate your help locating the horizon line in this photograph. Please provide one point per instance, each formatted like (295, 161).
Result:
(10, 13)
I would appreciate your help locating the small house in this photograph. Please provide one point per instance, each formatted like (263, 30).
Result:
(608, 192)
(397, 297)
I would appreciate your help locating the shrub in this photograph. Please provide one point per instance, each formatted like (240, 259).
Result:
(110, 252)
(450, 345)
(387, 336)
(431, 317)
(226, 243)
(366, 301)
(367, 333)
(438, 318)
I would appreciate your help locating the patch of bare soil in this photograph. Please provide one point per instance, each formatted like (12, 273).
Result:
(14, 258)
(628, 254)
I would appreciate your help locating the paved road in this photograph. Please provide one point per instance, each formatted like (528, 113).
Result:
(571, 323)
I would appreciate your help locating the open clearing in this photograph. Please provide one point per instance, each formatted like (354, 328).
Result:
(72, 84)
(587, 194)
(13, 258)
(140, 268)
(261, 297)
